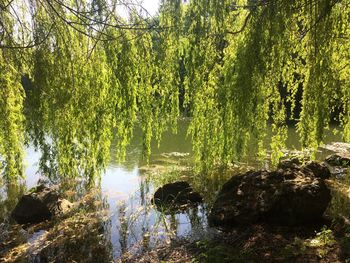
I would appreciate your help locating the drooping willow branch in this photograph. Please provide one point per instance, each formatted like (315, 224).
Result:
(222, 63)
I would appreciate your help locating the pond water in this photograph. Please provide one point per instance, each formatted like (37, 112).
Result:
(117, 216)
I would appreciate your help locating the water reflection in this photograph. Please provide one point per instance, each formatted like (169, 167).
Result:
(118, 217)
(85, 232)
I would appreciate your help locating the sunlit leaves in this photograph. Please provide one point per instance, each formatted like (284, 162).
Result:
(11, 117)
(268, 47)
(239, 66)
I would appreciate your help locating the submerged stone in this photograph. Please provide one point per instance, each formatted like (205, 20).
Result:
(175, 195)
(40, 205)
(286, 196)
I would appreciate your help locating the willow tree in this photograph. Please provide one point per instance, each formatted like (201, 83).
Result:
(94, 75)
(74, 107)
(325, 54)
(11, 126)
(267, 44)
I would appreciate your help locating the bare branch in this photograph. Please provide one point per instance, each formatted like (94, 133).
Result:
(243, 27)
(30, 45)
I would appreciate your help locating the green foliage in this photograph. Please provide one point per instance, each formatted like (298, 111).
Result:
(230, 61)
(11, 117)
(295, 249)
(322, 243)
(212, 252)
(75, 100)
(234, 97)
(324, 238)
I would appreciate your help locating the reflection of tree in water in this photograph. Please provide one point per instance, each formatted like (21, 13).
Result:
(140, 228)
(133, 227)
(123, 228)
(79, 236)
(195, 220)
(144, 191)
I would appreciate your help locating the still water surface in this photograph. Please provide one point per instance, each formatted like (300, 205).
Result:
(129, 221)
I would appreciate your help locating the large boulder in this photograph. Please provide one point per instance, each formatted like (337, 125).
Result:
(176, 195)
(40, 205)
(287, 196)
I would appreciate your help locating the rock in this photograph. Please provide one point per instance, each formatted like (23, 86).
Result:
(338, 159)
(289, 163)
(175, 155)
(337, 147)
(287, 197)
(175, 195)
(40, 205)
(311, 168)
(318, 170)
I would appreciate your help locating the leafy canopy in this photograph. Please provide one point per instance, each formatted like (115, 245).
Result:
(75, 75)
